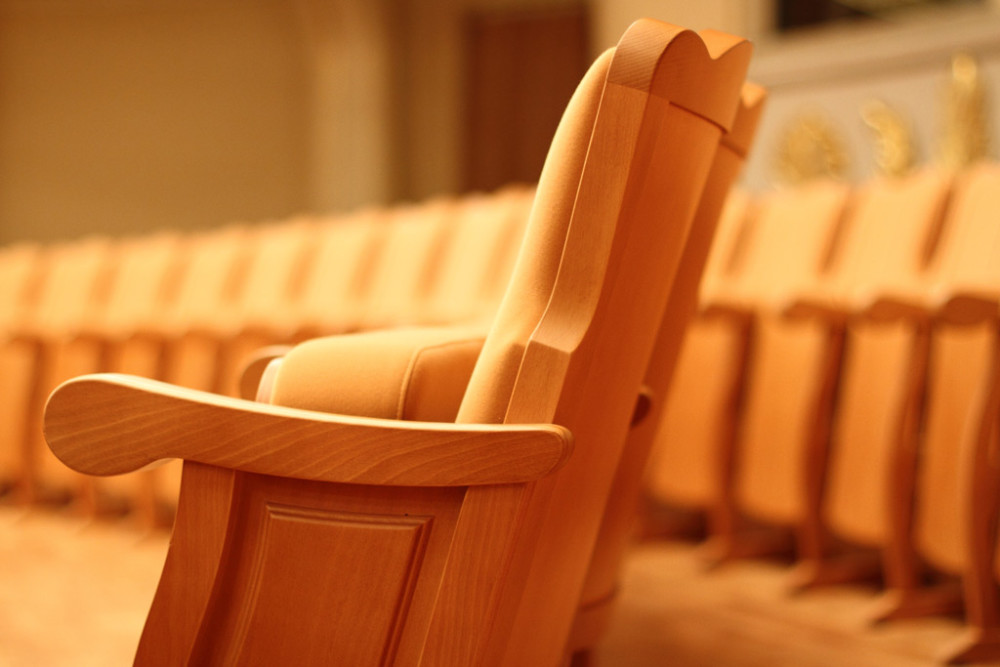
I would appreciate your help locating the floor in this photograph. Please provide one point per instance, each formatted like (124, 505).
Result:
(75, 593)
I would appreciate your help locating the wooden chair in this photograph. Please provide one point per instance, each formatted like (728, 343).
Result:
(600, 586)
(755, 480)
(416, 239)
(687, 478)
(478, 259)
(175, 342)
(21, 270)
(304, 536)
(887, 240)
(137, 279)
(276, 269)
(942, 500)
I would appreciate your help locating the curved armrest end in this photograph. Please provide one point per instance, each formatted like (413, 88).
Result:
(739, 313)
(826, 310)
(109, 424)
(968, 308)
(892, 309)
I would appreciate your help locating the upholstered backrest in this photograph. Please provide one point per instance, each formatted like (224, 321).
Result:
(536, 267)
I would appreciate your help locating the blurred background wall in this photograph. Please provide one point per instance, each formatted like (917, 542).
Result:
(123, 116)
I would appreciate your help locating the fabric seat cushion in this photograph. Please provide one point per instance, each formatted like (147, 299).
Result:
(415, 374)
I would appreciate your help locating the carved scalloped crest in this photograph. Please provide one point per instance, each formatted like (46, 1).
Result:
(705, 56)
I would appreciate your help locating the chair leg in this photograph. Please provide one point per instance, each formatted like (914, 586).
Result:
(812, 535)
(898, 604)
(901, 563)
(982, 597)
(837, 569)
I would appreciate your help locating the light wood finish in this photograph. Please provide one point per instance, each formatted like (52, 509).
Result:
(144, 267)
(888, 236)
(21, 269)
(478, 258)
(790, 240)
(670, 612)
(74, 285)
(485, 574)
(415, 242)
(153, 417)
(616, 526)
(689, 467)
(280, 259)
(947, 465)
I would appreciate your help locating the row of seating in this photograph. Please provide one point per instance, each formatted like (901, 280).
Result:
(838, 395)
(189, 309)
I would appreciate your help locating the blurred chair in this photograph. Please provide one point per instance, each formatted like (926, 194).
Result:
(942, 501)
(889, 236)
(22, 267)
(751, 467)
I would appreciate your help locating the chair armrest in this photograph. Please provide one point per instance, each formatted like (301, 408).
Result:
(891, 308)
(108, 424)
(253, 369)
(965, 307)
(737, 311)
(828, 310)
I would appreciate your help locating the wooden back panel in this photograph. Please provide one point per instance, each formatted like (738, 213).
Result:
(281, 259)
(889, 232)
(695, 413)
(790, 242)
(958, 375)
(146, 266)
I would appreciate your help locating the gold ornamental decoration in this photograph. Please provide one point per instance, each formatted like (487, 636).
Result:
(809, 149)
(895, 155)
(965, 134)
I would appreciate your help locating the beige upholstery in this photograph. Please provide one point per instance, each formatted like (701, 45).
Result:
(538, 263)
(413, 374)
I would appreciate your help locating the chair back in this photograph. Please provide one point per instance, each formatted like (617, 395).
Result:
(573, 336)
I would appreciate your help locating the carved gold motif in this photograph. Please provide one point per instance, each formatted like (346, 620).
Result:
(894, 145)
(965, 135)
(810, 148)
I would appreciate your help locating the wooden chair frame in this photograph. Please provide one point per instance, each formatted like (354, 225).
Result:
(469, 537)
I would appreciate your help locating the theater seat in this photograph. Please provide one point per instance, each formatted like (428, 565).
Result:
(304, 536)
